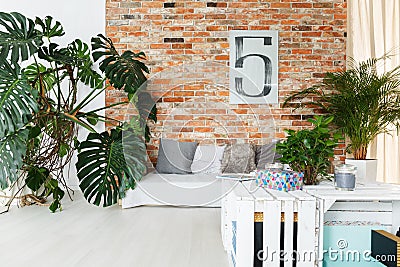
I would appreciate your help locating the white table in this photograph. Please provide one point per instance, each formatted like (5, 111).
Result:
(377, 203)
(313, 206)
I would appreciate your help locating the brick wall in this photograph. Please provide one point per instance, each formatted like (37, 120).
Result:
(194, 100)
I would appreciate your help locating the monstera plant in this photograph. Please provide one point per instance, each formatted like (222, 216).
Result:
(40, 111)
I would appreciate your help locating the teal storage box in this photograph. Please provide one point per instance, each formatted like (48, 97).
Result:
(349, 246)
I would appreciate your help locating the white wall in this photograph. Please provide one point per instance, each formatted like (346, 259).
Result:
(81, 19)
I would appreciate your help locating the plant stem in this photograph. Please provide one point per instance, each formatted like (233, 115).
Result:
(360, 153)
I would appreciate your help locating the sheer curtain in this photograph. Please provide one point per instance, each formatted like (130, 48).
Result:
(373, 30)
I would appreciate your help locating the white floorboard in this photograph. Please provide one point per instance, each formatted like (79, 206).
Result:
(85, 235)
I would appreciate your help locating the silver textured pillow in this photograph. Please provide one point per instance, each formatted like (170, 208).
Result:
(266, 154)
(238, 158)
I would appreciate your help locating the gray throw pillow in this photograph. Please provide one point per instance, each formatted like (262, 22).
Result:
(175, 157)
(266, 154)
(238, 158)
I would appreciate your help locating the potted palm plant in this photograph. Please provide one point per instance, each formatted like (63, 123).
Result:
(363, 103)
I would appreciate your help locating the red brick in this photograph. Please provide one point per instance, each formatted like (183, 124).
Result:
(152, 4)
(255, 135)
(173, 99)
(182, 46)
(173, 28)
(160, 46)
(195, 123)
(203, 129)
(301, 51)
(216, 28)
(280, 5)
(301, 5)
(260, 28)
(340, 16)
(205, 34)
(184, 93)
(215, 16)
(193, 16)
(183, 117)
(183, 129)
(222, 57)
(311, 34)
(216, 111)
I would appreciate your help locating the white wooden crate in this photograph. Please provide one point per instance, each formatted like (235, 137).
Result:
(370, 203)
(314, 206)
(239, 208)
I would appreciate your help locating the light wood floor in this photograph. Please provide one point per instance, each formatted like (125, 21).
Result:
(84, 235)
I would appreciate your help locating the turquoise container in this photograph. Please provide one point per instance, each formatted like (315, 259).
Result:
(349, 246)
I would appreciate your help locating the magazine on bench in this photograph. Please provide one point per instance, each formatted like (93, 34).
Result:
(237, 176)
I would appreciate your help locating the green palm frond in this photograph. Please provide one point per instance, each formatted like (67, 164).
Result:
(19, 38)
(17, 104)
(124, 71)
(363, 101)
(103, 161)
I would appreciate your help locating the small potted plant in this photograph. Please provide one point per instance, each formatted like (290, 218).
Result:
(309, 150)
(363, 103)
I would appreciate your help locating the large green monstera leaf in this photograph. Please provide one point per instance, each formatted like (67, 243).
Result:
(49, 27)
(75, 55)
(124, 71)
(81, 53)
(12, 150)
(103, 161)
(19, 38)
(16, 101)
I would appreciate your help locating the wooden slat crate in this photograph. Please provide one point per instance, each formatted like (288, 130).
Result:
(288, 226)
(294, 221)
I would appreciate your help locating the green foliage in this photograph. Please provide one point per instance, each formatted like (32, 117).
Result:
(147, 111)
(17, 103)
(36, 177)
(52, 188)
(124, 71)
(362, 101)
(12, 150)
(40, 76)
(102, 163)
(39, 179)
(50, 28)
(79, 51)
(40, 110)
(20, 39)
(308, 151)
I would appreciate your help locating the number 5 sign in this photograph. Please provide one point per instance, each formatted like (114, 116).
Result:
(253, 62)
